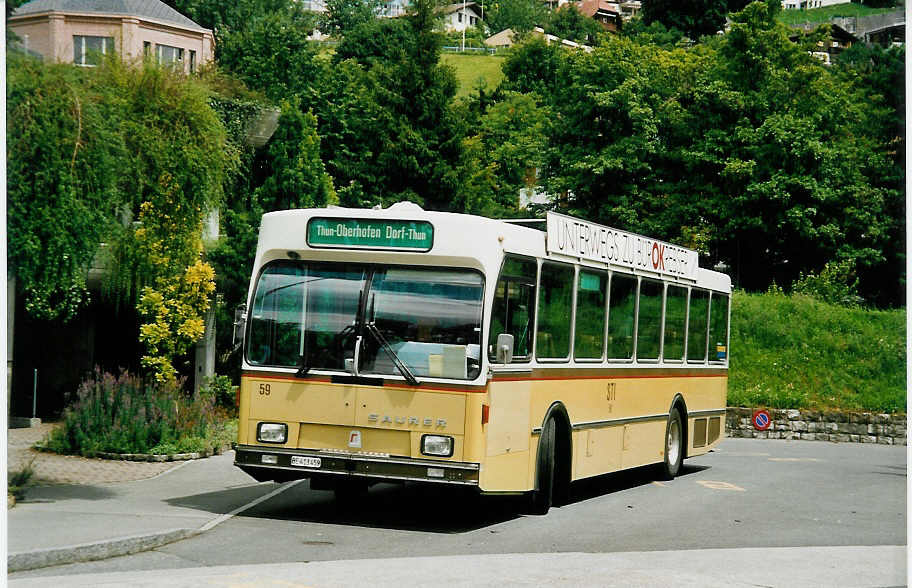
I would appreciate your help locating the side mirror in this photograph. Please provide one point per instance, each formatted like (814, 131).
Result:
(240, 323)
(504, 348)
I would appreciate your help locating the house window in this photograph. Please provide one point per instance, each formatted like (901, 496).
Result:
(87, 50)
(460, 16)
(147, 48)
(170, 55)
(192, 61)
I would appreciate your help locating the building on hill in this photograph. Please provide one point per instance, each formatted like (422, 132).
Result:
(77, 31)
(838, 41)
(607, 14)
(459, 17)
(808, 4)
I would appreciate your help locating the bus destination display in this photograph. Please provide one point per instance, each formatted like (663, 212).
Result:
(358, 233)
(579, 238)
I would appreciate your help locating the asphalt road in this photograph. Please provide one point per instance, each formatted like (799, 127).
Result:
(747, 494)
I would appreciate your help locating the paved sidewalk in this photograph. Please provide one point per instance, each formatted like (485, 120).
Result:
(785, 567)
(51, 468)
(83, 509)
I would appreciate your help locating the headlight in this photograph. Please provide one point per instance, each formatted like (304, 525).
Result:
(438, 445)
(272, 433)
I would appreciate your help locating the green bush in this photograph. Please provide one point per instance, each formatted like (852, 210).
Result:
(796, 351)
(836, 283)
(222, 391)
(124, 414)
(19, 480)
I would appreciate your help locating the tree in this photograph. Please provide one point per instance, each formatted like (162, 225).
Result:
(743, 147)
(568, 23)
(520, 15)
(92, 150)
(695, 18)
(385, 114)
(342, 16)
(504, 154)
(272, 54)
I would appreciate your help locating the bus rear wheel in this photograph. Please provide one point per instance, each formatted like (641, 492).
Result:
(674, 445)
(541, 498)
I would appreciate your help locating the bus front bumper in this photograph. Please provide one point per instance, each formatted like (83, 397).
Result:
(282, 464)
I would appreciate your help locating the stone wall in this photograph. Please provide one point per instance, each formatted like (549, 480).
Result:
(815, 425)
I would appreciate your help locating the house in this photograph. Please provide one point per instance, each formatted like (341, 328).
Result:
(506, 38)
(394, 8)
(77, 31)
(607, 14)
(459, 17)
(807, 4)
(631, 9)
(838, 41)
(501, 40)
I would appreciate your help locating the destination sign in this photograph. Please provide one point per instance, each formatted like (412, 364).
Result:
(578, 238)
(362, 233)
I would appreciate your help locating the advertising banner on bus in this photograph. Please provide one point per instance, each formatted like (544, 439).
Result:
(579, 238)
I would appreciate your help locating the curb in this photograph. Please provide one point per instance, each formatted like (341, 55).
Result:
(42, 558)
(151, 457)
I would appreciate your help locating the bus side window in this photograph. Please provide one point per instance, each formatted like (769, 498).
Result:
(555, 306)
(718, 327)
(591, 295)
(621, 307)
(514, 303)
(649, 325)
(675, 323)
(696, 328)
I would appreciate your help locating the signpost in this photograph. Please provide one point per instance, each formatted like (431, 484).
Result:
(762, 420)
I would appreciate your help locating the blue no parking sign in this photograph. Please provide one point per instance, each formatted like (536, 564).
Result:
(762, 420)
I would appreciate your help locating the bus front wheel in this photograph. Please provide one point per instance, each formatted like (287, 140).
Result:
(542, 496)
(674, 445)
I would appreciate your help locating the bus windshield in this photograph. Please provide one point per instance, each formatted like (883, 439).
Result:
(312, 315)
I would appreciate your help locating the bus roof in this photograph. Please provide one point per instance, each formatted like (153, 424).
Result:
(407, 234)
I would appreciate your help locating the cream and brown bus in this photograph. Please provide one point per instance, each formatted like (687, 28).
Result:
(406, 345)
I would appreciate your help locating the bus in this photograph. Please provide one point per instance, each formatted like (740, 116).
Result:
(407, 345)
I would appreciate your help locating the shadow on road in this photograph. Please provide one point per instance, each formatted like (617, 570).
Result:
(407, 507)
(619, 481)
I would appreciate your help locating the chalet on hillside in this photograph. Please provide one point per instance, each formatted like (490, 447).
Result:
(459, 17)
(827, 50)
(607, 14)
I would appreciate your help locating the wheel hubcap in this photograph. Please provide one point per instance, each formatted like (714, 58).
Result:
(674, 441)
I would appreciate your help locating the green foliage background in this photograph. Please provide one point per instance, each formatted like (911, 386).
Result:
(794, 351)
(742, 146)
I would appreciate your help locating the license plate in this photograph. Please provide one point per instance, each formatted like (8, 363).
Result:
(307, 462)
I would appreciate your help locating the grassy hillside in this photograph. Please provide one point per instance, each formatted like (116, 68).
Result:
(472, 68)
(797, 352)
(822, 15)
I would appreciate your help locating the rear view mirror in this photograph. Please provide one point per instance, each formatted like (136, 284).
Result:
(504, 348)
(240, 322)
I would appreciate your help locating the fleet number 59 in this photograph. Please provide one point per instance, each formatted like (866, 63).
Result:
(264, 390)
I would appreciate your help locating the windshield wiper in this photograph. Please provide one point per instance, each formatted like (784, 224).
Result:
(406, 372)
(303, 368)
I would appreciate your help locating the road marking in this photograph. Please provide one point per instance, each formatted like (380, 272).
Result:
(794, 459)
(251, 504)
(660, 484)
(744, 454)
(719, 485)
